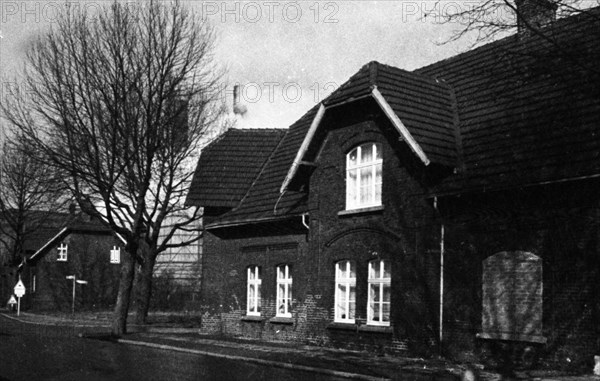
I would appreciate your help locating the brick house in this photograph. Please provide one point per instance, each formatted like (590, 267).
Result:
(77, 246)
(454, 206)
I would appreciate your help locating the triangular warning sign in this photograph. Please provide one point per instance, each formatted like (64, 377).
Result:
(12, 300)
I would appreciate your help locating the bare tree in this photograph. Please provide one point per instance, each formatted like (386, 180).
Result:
(30, 193)
(120, 101)
(489, 19)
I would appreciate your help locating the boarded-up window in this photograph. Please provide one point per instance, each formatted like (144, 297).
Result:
(512, 297)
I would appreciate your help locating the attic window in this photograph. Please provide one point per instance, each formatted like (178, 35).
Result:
(62, 253)
(364, 176)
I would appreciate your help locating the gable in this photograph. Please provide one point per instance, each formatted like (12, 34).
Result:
(420, 109)
(49, 237)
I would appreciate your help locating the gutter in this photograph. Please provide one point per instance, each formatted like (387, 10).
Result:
(254, 221)
(483, 189)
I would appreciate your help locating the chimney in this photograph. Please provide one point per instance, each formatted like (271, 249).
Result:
(534, 15)
(238, 108)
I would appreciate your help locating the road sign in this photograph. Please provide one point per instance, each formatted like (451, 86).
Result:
(20, 289)
(12, 301)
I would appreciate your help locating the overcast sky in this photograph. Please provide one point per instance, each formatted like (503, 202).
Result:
(286, 55)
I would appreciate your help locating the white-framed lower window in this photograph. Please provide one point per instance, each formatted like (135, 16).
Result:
(254, 284)
(364, 176)
(345, 291)
(380, 279)
(284, 291)
(62, 252)
(115, 255)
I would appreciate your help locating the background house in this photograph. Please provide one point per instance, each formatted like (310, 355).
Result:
(452, 208)
(77, 246)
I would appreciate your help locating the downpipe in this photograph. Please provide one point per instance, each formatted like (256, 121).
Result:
(441, 306)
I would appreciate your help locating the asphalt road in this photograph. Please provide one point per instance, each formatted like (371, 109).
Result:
(29, 352)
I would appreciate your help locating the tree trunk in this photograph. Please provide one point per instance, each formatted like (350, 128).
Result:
(119, 324)
(144, 289)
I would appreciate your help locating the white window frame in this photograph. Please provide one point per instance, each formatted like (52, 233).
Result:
(382, 282)
(347, 283)
(357, 167)
(284, 298)
(63, 252)
(254, 282)
(115, 255)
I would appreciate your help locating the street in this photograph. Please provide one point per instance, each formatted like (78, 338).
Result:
(33, 352)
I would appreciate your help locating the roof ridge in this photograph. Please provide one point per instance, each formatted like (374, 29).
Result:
(508, 40)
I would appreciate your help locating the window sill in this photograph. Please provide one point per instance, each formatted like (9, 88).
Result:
(281, 320)
(251, 318)
(375, 328)
(360, 328)
(352, 212)
(511, 337)
(342, 326)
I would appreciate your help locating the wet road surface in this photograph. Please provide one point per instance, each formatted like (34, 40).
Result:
(29, 352)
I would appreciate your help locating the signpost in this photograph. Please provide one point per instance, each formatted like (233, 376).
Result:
(19, 292)
(11, 302)
(75, 282)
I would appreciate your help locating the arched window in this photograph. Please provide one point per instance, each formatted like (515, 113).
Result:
(364, 176)
(254, 284)
(380, 278)
(345, 291)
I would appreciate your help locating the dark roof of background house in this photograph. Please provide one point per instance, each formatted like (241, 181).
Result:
(60, 225)
(529, 112)
(53, 223)
(228, 166)
(523, 119)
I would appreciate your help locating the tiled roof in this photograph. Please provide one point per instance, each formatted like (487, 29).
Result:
(58, 227)
(263, 200)
(423, 104)
(529, 108)
(228, 166)
(499, 113)
(404, 91)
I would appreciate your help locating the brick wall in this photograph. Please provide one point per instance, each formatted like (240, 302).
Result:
(402, 232)
(560, 225)
(89, 259)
